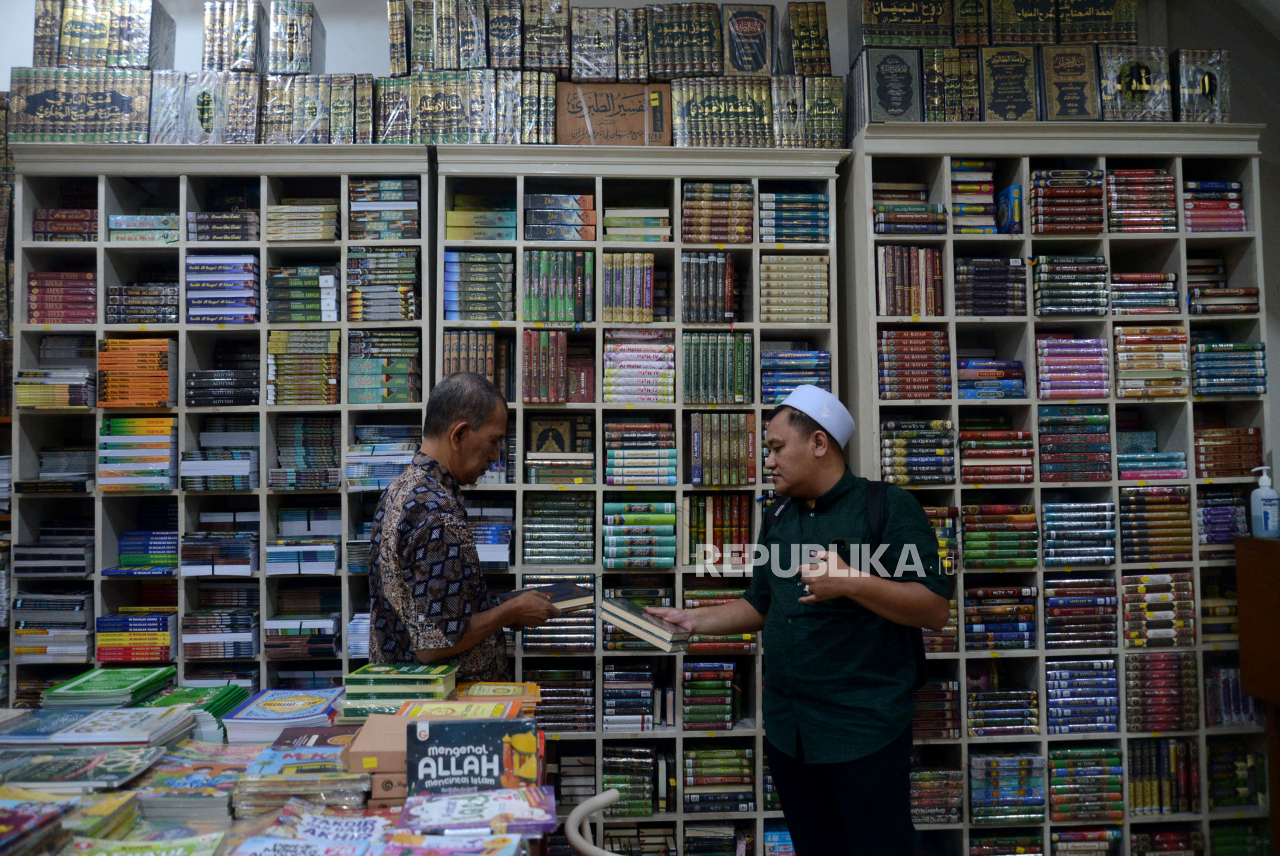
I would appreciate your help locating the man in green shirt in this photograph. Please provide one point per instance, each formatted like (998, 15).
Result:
(839, 654)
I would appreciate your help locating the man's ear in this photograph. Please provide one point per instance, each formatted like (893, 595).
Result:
(821, 443)
(457, 431)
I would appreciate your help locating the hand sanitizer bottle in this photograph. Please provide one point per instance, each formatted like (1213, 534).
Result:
(1264, 507)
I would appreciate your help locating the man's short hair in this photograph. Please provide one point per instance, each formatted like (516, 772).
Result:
(804, 423)
(464, 396)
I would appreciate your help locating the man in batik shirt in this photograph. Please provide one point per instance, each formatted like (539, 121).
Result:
(428, 599)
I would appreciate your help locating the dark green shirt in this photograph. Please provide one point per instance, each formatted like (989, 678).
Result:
(838, 677)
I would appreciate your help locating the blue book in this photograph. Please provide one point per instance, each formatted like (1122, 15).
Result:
(1009, 210)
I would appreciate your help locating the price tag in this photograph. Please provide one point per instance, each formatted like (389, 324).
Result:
(578, 480)
(1238, 815)
(142, 326)
(1208, 481)
(1198, 398)
(1215, 647)
(995, 655)
(222, 326)
(553, 736)
(1155, 734)
(631, 407)
(1001, 570)
(537, 323)
(915, 319)
(1068, 569)
(562, 487)
(1151, 567)
(977, 487)
(46, 326)
(495, 324)
(710, 734)
(1071, 401)
(714, 406)
(303, 325)
(719, 246)
(1142, 483)
(631, 487)
(779, 246)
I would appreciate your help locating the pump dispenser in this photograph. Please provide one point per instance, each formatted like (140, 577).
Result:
(1264, 507)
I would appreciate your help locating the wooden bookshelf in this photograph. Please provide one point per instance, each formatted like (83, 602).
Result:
(922, 153)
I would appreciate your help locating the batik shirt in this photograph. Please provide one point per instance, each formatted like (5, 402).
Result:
(425, 582)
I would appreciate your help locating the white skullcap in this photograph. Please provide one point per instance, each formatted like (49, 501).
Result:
(825, 409)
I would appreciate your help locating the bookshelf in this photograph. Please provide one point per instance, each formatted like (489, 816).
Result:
(617, 177)
(922, 153)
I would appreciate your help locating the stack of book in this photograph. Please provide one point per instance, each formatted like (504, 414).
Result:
(771, 800)
(917, 451)
(1162, 691)
(1141, 200)
(985, 377)
(223, 554)
(160, 228)
(380, 453)
(308, 454)
(1219, 605)
(1228, 368)
(717, 213)
(62, 548)
(640, 453)
(640, 225)
(302, 555)
(1155, 524)
(146, 553)
(152, 299)
(306, 295)
(1087, 783)
(992, 451)
(710, 699)
(386, 687)
(711, 289)
(998, 536)
(1070, 285)
(62, 297)
(1104, 842)
(1144, 294)
(1236, 778)
(559, 529)
(632, 770)
(64, 224)
(68, 379)
(1214, 206)
(559, 217)
(1239, 837)
(138, 453)
(383, 209)
(383, 284)
(481, 217)
(937, 796)
(558, 285)
(795, 289)
(973, 197)
(709, 839)
(572, 632)
(1084, 696)
(632, 699)
(384, 367)
(576, 781)
(994, 778)
(690, 126)
(1225, 704)
(639, 535)
(937, 711)
(1151, 362)
(261, 718)
(137, 373)
(303, 220)
(561, 468)
(227, 458)
(1066, 201)
(1075, 442)
(903, 207)
(1210, 292)
(1067, 367)
(234, 380)
(722, 449)
(1159, 610)
(794, 218)
(1164, 780)
(212, 226)
(630, 283)
(493, 525)
(220, 633)
(300, 636)
(639, 367)
(567, 704)
(990, 286)
(1138, 456)
(137, 634)
(999, 618)
(994, 711)
(909, 281)
(1221, 517)
(70, 612)
(1080, 612)
(719, 780)
(1223, 452)
(914, 364)
(1008, 845)
(479, 286)
(303, 367)
(777, 840)
(222, 289)
(1079, 533)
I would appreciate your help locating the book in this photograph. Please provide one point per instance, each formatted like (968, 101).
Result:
(1009, 84)
(460, 757)
(634, 619)
(1135, 83)
(527, 810)
(567, 596)
(1069, 83)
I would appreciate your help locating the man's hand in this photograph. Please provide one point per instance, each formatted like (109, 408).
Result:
(827, 576)
(681, 617)
(531, 609)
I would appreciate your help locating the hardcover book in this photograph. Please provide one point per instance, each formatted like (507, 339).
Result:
(748, 39)
(908, 22)
(1009, 84)
(1022, 22)
(1204, 86)
(566, 596)
(1098, 21)
(892, 85)
(1134, 84)
(972, 23)
(459, 757)
(1069, 83)
(526, 810)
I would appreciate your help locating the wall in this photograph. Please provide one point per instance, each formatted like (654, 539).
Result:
(357, 33)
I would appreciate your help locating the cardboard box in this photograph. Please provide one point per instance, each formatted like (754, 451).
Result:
(381, 744)
(390, 786)
(613, 114)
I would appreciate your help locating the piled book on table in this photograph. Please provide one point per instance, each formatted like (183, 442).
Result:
(1141, 200)
(914, 363)
(1066, 201)
(917, 451)
(937, 711)
(973, 197)
(78, 772)
(1214, 206)
(795, 289)
(992, 451)
(575, 629)
(100, 689)
(385, 688)
(222, 289)
(1068, 367)
(379, 455)
(303, 294)
(1087, 783)
(208, 704)
(234, 380)
(990, 286)
(903, 207)
(1162, 691)
(192, 783)
(479, 286)
(716, 213)
(1075, 443)
(383, 284)
(383, 209)
(1159, 610)
(1144, 294)
(1080, 612)
(266, 714)
(1210, 292)
(137, 727)
(719, 780)
(1083, 696)
(994, 779)
(998, 536)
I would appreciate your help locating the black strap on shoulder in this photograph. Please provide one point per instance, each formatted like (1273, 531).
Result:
(771, 515)
(876, 491)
